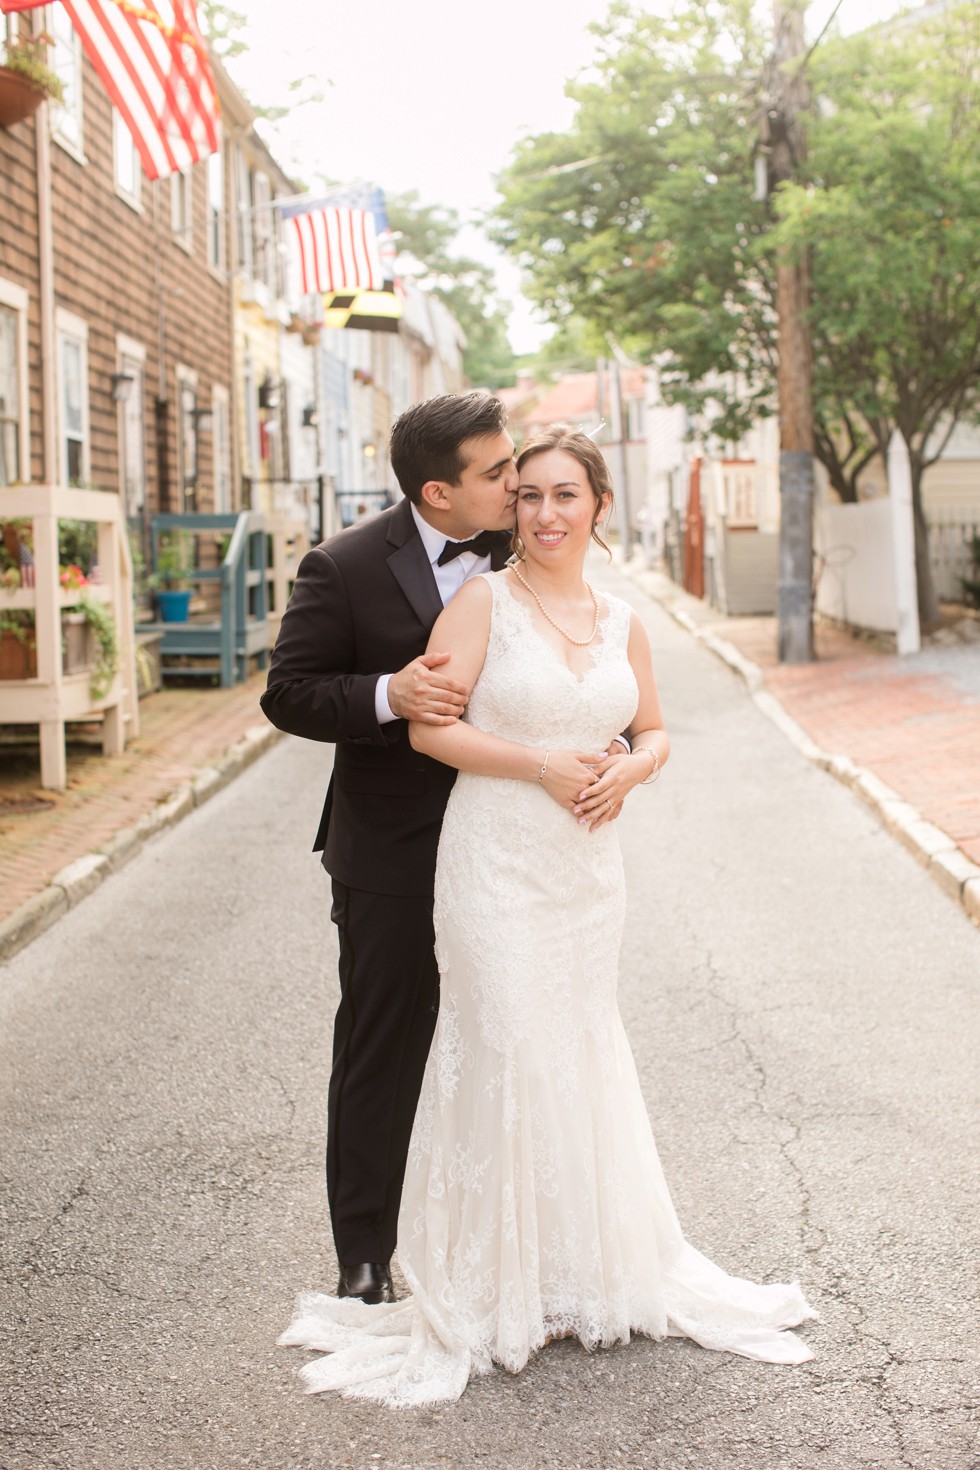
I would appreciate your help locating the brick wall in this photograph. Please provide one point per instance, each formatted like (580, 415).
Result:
(121, 270)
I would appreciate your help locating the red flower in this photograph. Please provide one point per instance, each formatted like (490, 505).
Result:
(73, 578)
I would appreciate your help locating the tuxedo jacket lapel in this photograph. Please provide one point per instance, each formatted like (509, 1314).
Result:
(410, 565)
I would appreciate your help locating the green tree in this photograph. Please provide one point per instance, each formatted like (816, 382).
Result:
(641, 219)
(428, 233)
(224, 28)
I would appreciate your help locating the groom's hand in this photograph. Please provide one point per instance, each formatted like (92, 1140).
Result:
(417, 692)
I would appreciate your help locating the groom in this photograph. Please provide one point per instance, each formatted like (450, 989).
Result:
(350, 668)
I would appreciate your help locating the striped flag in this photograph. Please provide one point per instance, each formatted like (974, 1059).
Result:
(153, 61)
(337, 248)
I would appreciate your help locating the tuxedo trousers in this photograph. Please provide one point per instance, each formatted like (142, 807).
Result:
(389, 999)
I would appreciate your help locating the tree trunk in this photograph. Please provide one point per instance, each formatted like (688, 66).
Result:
(924, 585)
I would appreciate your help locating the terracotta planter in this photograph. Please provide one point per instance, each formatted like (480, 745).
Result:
(17, 660)
(19, 98)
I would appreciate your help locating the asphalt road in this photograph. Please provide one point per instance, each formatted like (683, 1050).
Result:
(803, 1001)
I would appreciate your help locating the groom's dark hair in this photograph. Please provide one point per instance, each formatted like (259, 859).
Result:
(426, 439)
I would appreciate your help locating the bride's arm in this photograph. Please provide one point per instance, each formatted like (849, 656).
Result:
(651, 747)
(463, 631)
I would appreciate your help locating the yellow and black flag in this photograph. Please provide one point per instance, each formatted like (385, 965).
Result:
(369, 311)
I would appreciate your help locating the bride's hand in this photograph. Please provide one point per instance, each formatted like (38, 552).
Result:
(601, 801)
(568, 771)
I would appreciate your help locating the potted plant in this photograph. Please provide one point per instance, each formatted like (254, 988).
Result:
(169, 578)
(18, 657)
(94, 618)
(18, 653)
(26, 78)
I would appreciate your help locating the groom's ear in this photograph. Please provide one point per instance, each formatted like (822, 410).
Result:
(435, 493)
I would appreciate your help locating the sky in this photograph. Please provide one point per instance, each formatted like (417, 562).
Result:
(435, 95)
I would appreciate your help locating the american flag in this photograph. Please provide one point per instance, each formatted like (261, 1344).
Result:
(337, 248)
(154, 63)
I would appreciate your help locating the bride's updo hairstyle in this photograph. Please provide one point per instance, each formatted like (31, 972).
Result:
(579, 446)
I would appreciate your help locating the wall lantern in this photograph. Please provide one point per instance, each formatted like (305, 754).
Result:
(269, 395)
(122, 385)
(369, 451)
(310, 417)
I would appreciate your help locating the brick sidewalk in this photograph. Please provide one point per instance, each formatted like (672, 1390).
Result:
(182, 732)
(914, 721)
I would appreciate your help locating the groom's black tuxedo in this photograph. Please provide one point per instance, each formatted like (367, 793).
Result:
(363, 605)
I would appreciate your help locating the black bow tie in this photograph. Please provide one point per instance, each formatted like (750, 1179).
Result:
(481, 545)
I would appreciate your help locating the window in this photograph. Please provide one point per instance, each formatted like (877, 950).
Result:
(14, 429)
(128, 168)
(265, 240)
(72, 335)
(181, 207)
(244, 207)
(253, 450)
(216, 212)
(131, 358)
(221, 448)
(66, 62)
(187, 439)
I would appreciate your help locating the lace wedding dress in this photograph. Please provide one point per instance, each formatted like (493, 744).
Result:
(534, 1203)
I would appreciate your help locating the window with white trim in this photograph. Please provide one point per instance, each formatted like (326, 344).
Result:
(221, 448)
(187, 429)
(216, 211)
(243, 205)
(127, 164)
(72, 334)
(131, 360)
(181, 207)
(14, 427)
(265, 235)
(66, 63)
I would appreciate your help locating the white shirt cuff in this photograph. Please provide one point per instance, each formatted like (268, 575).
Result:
(382, 708)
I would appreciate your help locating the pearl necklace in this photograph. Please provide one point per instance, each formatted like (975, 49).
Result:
(579, 642)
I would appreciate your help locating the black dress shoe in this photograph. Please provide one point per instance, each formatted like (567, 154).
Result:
(370, 1282)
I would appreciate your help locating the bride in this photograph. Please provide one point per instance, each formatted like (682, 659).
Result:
(534, 1204)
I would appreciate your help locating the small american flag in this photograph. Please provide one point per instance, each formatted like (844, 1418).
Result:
(153, 61)
(26, 565)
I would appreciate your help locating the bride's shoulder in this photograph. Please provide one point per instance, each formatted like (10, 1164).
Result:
(616, 607)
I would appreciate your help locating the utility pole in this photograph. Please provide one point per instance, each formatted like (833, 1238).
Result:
(786, 142)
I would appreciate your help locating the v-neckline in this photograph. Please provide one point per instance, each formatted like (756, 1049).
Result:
(595, 648)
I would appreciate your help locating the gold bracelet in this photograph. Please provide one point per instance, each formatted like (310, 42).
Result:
(544, 769)
(649, 780)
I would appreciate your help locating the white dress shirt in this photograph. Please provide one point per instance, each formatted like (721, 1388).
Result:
(449, 579)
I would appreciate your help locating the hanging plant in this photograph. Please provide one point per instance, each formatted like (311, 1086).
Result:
(98, 616)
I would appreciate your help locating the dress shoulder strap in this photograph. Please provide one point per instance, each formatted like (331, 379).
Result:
(617, 619)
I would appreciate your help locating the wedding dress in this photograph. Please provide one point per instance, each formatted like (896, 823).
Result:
(534, 1203)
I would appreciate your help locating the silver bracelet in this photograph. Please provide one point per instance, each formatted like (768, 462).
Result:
(544, 769)
(649, 780)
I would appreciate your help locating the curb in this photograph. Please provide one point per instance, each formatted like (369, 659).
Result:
(83, 876)
(934, 848)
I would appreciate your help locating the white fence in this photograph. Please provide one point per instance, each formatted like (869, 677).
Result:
(866, 558)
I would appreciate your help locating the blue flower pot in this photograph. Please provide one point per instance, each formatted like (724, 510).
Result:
(173, 607)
